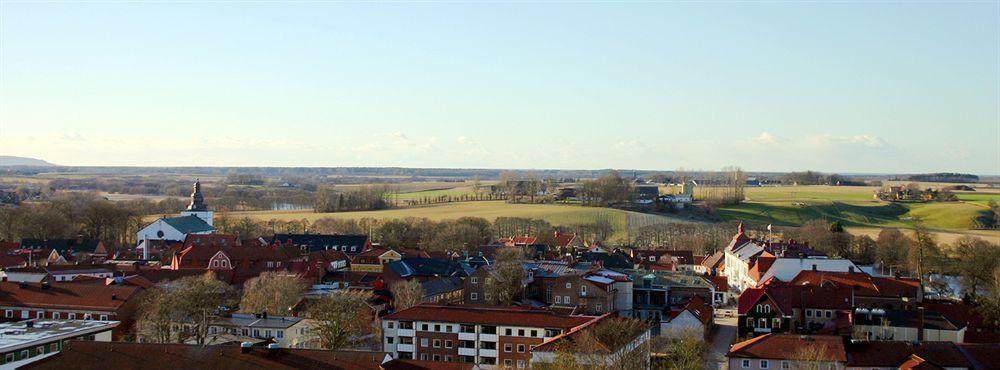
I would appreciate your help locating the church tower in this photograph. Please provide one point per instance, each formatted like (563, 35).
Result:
(197, 206)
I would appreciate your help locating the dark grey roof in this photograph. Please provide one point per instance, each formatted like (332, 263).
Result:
(614, 260)
(906, 319)
(409, 267)
(62, 245)
(440, 286)
(188, 224)
(318, 242)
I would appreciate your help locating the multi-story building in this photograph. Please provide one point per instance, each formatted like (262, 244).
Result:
(69, 301)
(794, 308)
(30, 340)
(655, 292)
(287, 331)
(488, 337)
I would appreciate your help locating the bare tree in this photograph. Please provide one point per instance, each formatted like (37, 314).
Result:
(340, 320)
(191, 302)
(272, 292)
(508, 276)
(406, 294)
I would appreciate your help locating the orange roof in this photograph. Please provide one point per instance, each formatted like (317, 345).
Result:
(784, 347)
(563, 239)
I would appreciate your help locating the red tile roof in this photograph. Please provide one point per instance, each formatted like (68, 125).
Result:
(66, 296)
(698, 308)
(784, 347)
(563, 239)
(512, 316)
(210, 240)
(864, 284)
(148, 356)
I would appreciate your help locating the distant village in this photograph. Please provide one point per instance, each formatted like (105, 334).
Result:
(187, 296)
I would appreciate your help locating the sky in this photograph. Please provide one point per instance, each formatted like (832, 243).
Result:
(849, 87)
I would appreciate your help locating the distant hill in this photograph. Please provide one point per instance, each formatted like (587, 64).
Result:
(9, 160)
(946, 177)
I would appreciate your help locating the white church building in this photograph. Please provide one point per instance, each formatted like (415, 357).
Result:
(196, 219)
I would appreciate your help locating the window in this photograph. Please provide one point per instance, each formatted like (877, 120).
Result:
(423, 357)
(9, 358)
(488, 329)
(652, 258)
(566, 299)
(508, 363)
(475, 280)
(437, 343)
(745, 364)
(8, 314)
(54, 347)
(534, 333)
(507, 347)
(767, 309)
(784, 364)
(600, 307)
(764, 364)
(488, 360)
(520, 348)
(552, 332)
(389, 340)
(39, 314)
(423, 342)
(447, 344)
(558, 299)
(267, 334)
(87, 316)
(749, 322)
(406, 324)
(447, 358)
(776, 322)
(829, 314)
(466, 344)
(467, 328)
(55, 315)
(583, 289)
(104, 317)
(225, 263)
(437, 327)
(809, 313)
(569, 285)
(436, 357)
(488, 296)
(215, 263)
(487, 345)
(520, 364)
(405, 340)
(24, 354)
(391, 324)
(520, 332)
(256, 333)
(72, 316)
(508, 332)
(447, 329)
(423, 327)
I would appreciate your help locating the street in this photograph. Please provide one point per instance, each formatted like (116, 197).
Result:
(725, 332)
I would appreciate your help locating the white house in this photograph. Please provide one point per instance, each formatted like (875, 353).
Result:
(196, 219)
(694, 319)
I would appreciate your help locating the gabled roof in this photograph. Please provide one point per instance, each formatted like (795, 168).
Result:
(188, 224)
(66, 295)
(512, 316)
(409, 267)
(316, 242)
(563, 239)
(62, 245)
(697, 307)
(864, 284)
(213, 240)
(791, 347)
(614, 260)
(897, 353)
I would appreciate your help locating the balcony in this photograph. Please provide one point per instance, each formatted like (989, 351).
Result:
(467, 336)
(487, 337)
(466, 351)
(488, 352)
(404, 348)
(405, 332)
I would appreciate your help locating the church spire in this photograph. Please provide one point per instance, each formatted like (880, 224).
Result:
(197, 200)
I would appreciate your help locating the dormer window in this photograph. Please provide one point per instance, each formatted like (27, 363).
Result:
(225, 263)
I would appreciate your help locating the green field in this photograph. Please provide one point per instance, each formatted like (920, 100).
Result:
(853, 206)
(558, 215)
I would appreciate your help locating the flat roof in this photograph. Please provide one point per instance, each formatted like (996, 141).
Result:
(16, 335)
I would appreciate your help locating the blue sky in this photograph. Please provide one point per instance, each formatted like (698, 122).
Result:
(845, 87)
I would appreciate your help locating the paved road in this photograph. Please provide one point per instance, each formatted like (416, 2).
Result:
(725, 332)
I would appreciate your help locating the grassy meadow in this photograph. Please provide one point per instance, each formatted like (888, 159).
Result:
(854, 207)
